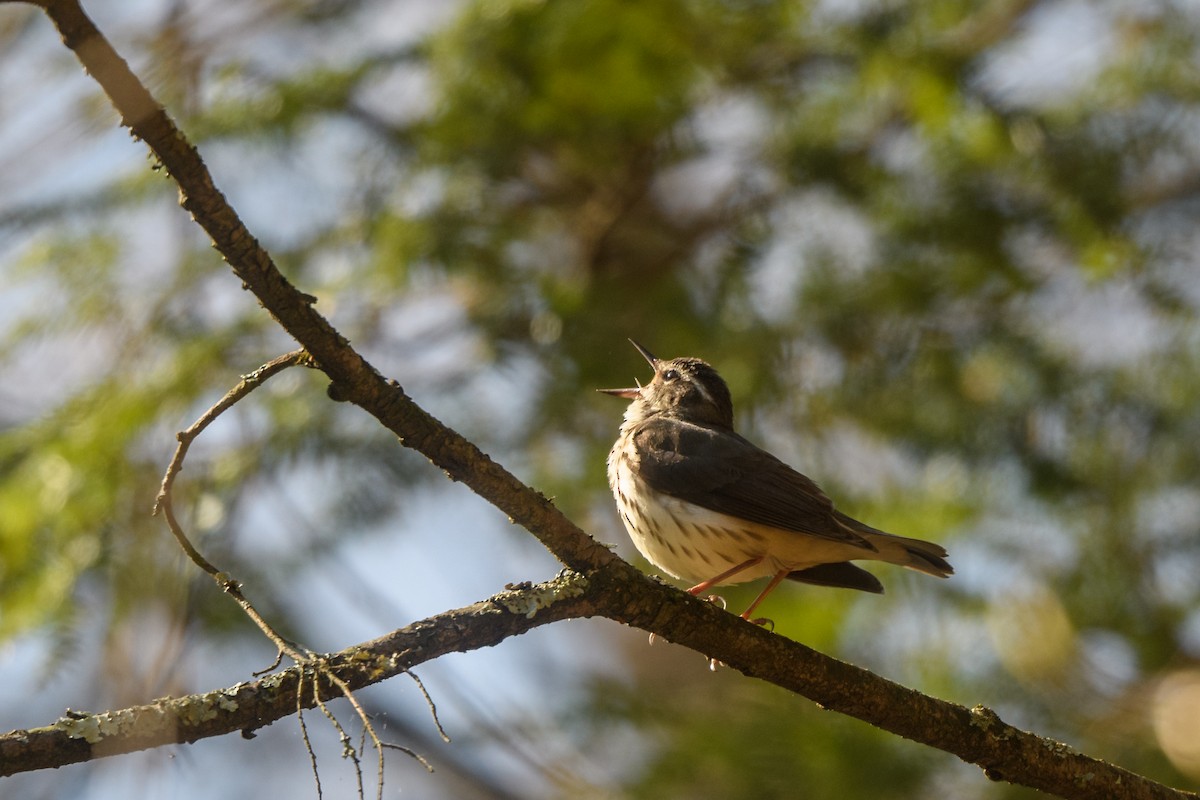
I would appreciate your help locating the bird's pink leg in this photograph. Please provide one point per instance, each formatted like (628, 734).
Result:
(729, 573)
(779, 576)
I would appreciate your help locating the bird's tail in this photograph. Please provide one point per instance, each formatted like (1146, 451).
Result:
(916, 554)
(923, 556)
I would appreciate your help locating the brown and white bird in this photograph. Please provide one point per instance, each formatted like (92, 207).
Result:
(703, 504)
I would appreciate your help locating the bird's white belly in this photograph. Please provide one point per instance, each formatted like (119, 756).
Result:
(682, 539)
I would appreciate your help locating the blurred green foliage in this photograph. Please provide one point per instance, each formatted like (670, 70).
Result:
(943, 252)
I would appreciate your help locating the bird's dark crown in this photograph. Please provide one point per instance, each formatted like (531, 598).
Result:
(689, 389)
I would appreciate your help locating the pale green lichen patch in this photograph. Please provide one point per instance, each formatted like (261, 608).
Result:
(152, 721)
(94, 728)
(205, 707)
(90, 728)
(530, 601)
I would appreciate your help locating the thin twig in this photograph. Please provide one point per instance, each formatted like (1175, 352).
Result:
(368, 726)
(228, 583)
(245, 386)
(271, 667)
(420, 759)
(312, 754)
(348, 749)
(432, 706)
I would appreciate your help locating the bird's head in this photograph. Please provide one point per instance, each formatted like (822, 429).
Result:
(684, 388)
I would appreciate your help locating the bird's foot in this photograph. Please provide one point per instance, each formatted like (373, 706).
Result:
(762, 622)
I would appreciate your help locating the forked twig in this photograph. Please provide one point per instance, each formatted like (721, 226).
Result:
(305, 658)
(368, 730)
(227, 582)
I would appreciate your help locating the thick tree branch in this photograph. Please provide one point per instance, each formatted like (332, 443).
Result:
(247, 706)
(607, 586)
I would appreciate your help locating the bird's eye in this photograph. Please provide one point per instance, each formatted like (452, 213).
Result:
(670, 375)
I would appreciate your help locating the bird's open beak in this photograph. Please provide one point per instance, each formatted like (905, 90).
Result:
(646, 354)
(629, 394)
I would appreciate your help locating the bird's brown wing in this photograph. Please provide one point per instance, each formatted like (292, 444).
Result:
(723, 472)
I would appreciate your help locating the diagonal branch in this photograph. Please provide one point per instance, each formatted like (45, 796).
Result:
(607, 586)
(354, 379)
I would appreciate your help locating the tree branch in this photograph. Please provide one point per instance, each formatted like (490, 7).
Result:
(247, 706)
(622, 593)
(606, 585)
(354, 379)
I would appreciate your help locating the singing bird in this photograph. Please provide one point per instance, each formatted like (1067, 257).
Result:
(705, 505)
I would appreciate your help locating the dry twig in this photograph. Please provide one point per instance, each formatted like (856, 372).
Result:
(312, 664)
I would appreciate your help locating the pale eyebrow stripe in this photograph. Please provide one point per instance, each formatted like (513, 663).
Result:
(699, 385)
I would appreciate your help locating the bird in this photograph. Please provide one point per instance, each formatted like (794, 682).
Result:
(705, 505)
